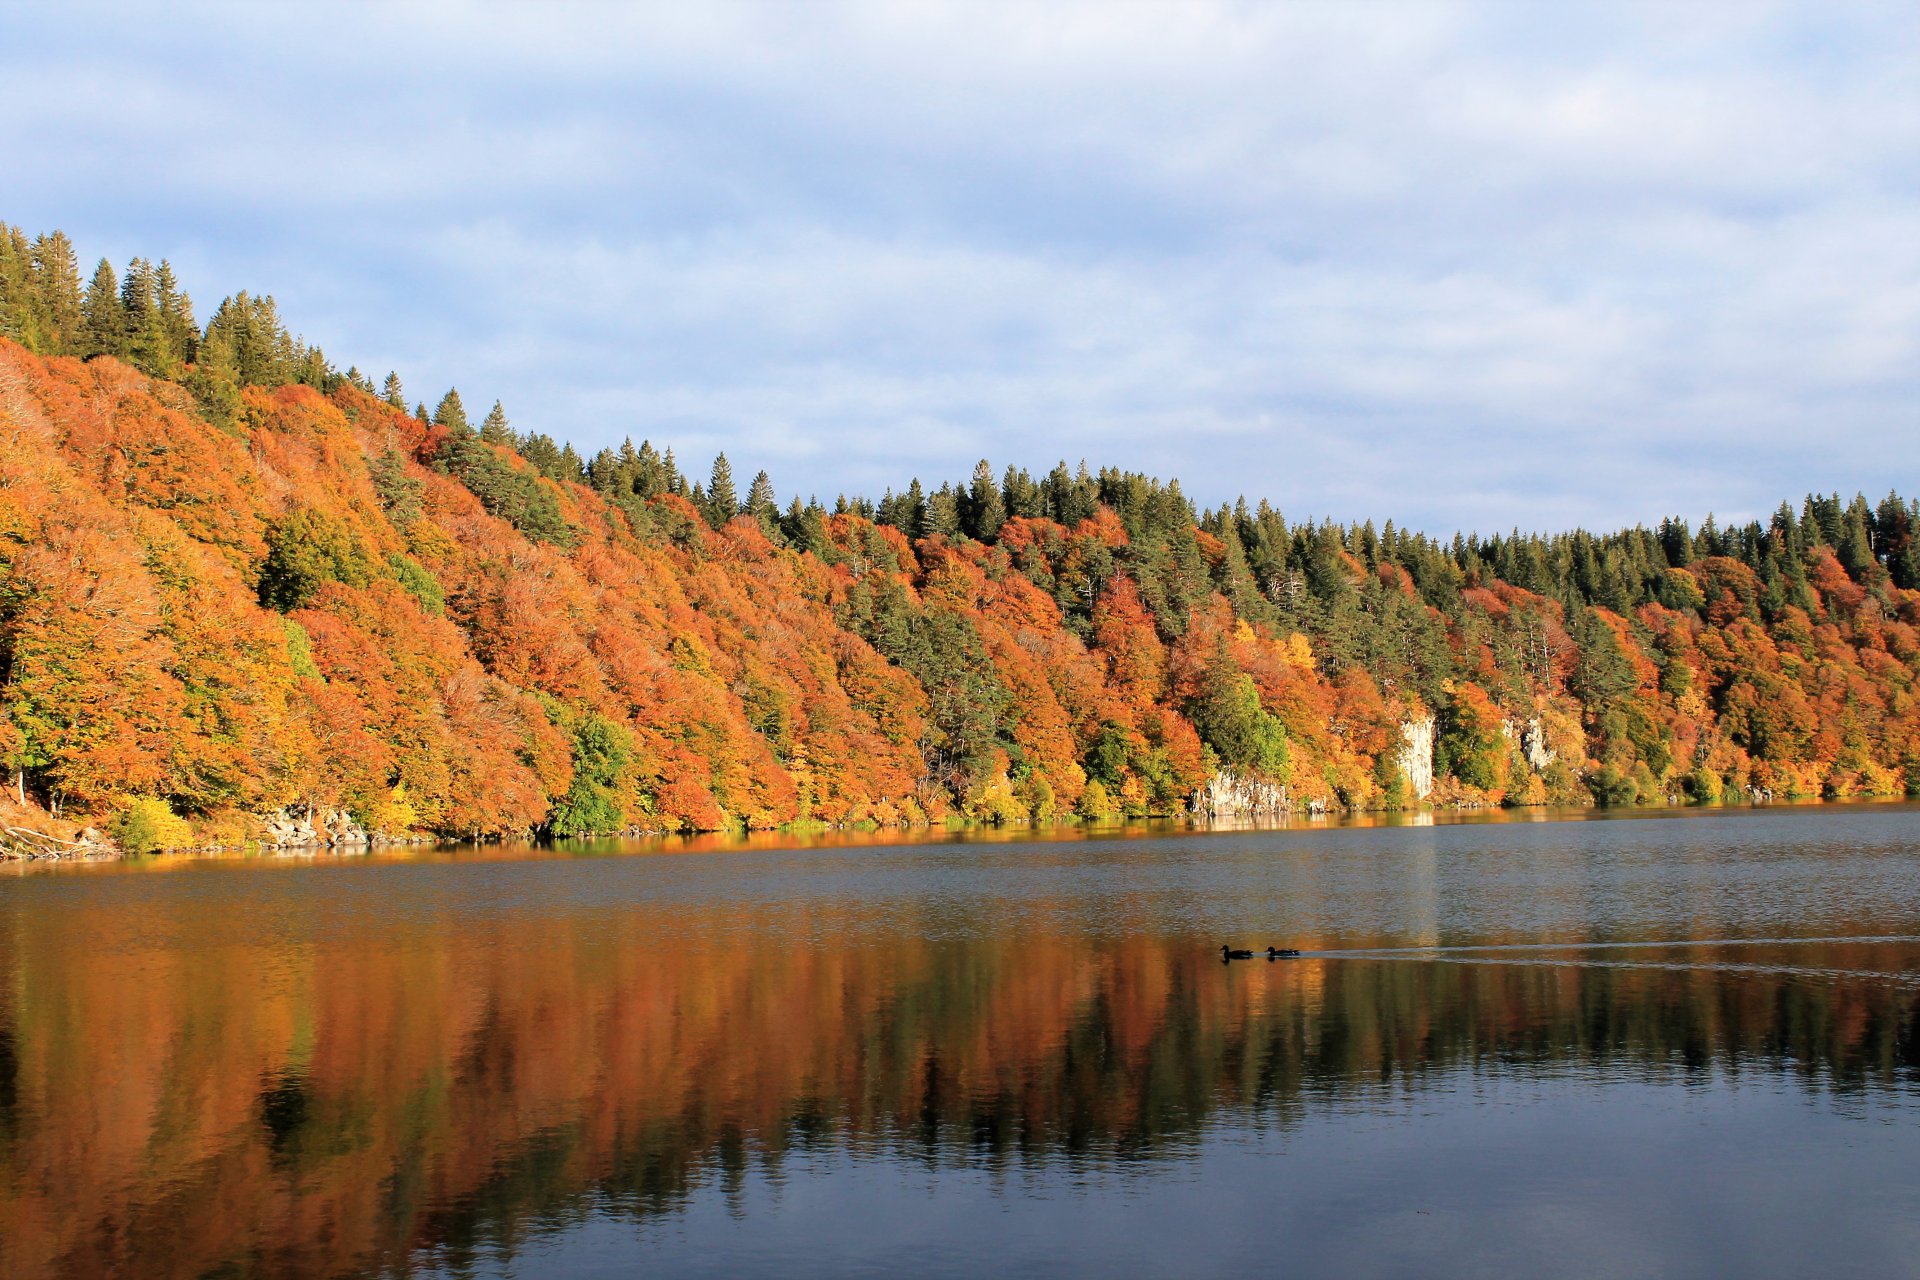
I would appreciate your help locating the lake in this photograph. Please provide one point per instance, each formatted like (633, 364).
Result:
(1673, 1044)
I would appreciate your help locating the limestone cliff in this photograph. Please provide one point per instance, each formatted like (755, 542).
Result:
(1229, 795)
(1416, 755)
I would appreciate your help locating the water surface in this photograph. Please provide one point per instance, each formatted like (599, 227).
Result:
(1677, 1045)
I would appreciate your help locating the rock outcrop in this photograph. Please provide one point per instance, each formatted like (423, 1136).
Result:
(1416, 755)
(1533, 745)
(1531, 738)
(295, 828)
(1231, 796)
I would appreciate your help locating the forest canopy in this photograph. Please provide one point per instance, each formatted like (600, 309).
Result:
(236, 580)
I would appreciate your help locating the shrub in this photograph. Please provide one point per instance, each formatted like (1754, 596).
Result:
(394, 815)
(148, 824)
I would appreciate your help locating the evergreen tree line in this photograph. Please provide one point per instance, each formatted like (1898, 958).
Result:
(1321, 577)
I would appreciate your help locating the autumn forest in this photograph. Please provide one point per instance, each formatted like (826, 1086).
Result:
(237, 582)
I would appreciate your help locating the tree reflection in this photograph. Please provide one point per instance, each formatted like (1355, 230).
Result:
(317, 1109)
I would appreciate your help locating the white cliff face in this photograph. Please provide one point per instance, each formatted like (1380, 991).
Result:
(1228, 795)
(1533, 742)
(1416, 755)
(1531, 736)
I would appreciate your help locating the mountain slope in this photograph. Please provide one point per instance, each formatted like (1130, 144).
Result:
(234, 599)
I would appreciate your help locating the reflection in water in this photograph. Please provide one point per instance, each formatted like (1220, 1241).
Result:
(354, 1105)
(326, 1070)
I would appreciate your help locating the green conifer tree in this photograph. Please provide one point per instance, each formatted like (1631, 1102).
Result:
(984, 511)
(56, 287)
(494, 429)
(105, 318)
(178, 334)
(452, 415)
(722, 502)
(762, 505)
(943, 514)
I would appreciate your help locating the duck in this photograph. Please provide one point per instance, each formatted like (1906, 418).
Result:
(1281, 953)
(1228, 953)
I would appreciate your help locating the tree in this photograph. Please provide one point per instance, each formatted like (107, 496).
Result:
(723, 504)
(451, 415)
(305, 551)
(763, 506)
(104, 315)
(494, 430)
(1226, 712)
(943, 514)
(984, 511)
(595, 802)
(56, 287)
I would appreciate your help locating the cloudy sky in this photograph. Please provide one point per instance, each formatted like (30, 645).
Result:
(1465, 266)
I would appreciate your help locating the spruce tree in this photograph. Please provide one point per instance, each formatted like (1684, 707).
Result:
(105, 317)
(1855, 546)
(494, 430)
(943, 514)
(177, 333)
(215, 380)
(16, 284)
(393, 393)
(722, 503)
(452, 415)
(985, 510)
(1021, 494)
(56, 288)
(913, 512)
(762, 505)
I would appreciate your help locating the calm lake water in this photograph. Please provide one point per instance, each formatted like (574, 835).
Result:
(1684, 1044)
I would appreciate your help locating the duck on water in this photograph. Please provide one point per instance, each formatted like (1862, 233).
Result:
(1228, 953)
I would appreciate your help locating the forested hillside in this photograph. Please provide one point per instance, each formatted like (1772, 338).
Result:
(235, 581)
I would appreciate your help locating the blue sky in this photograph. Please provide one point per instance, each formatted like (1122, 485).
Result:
(1465, 266)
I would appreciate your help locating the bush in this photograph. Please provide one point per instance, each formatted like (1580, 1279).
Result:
(149, 824)
(1613, 789)
(305, 550)
(1094, 803)
(420, 583)
(393, 816)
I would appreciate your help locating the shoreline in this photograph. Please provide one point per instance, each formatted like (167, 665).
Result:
(803, 836)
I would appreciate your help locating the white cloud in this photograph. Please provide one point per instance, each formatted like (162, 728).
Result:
(1464, 265)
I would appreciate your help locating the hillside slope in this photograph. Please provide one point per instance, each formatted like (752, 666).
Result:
(219, 601)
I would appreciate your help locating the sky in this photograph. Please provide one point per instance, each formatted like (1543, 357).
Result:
(1465, 266)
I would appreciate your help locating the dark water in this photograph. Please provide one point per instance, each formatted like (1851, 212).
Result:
(1681, 1045)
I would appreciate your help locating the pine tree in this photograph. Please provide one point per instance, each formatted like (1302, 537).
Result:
(56, 287)
(985, 511)
(762, 505)
(494, 430)
(178, 334)
(452, 415)
(943, 514)
(913, 512)
(215, 379)
(393, 393)
(722, 503)
(1021, 495)
(105, 317)
(16, 285)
